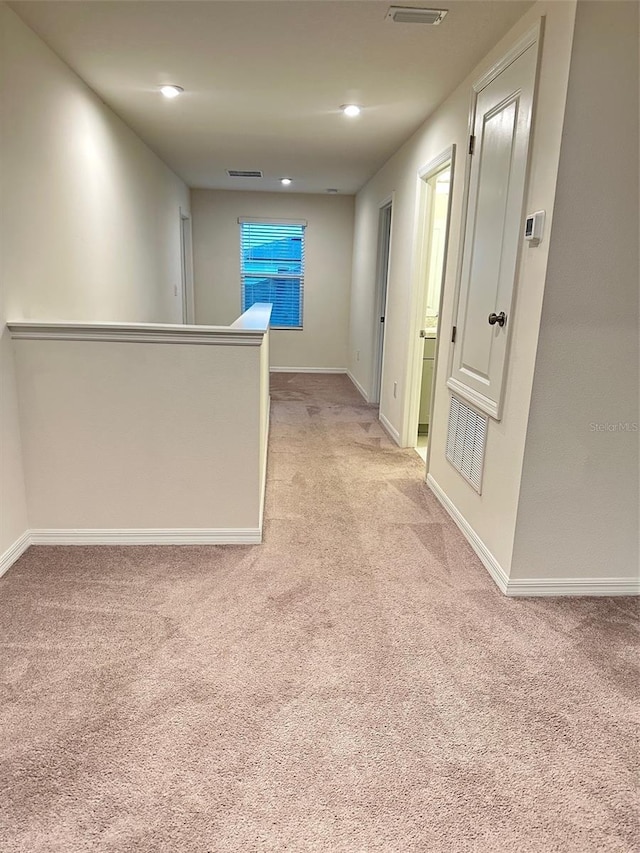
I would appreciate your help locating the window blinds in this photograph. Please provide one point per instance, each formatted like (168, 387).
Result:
(272, 269)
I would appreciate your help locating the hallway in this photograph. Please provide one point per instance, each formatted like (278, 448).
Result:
(356, 684)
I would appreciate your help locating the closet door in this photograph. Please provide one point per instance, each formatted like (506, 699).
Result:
(493, 233)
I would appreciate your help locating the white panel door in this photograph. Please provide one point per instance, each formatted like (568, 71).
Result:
(493, 233)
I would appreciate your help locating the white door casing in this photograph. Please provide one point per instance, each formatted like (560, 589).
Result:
(420, 286)
(385, 215)
(186, 268)
(501, 127)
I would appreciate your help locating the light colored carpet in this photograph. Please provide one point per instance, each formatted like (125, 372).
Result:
(357, 684)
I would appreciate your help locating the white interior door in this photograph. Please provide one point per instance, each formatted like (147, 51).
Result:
(493, 233)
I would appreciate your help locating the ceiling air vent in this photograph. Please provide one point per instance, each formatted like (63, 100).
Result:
(243, 173)
(415, 15)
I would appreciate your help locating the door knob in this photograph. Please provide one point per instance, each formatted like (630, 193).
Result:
(500, 319)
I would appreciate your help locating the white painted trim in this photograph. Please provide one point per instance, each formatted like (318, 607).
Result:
(532, 586)
(573, 586)
(484, 404)
(391, 430)
(486, 557)
(308, 370)
(358, 386)
(383, 252)
(255, 319)
(14, 552)
(419, 289)
(248, 330)
(529, 38)
(186, 263)
(434, 166)
(270, 220)
(263, 495)
(151, 536)
(115, 333)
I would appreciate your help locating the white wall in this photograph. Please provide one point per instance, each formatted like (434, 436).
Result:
(328, 248)
(88, 221)
(578, 510)
(492, 515)
(153, 436)
(13, 501)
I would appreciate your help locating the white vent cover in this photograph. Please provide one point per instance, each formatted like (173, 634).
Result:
(244, 173)
(415, 15)
(466, 441)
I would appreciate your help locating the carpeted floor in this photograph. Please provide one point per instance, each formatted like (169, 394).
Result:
(357, 684)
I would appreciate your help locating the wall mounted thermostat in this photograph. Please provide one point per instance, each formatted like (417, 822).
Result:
(533, 227)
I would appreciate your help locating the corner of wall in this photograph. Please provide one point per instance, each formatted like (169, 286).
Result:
(14, 522)
(577, 519)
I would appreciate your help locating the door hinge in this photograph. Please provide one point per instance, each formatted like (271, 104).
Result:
(382, 319)
(453, 335)
(472, 144)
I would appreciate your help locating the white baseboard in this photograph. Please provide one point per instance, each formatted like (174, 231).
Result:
(13, 552)
(358, 386)
(532, 586)
(393, 432)
(307, 370)
(573, 586)
(180, 536)
(486, 557)
(151, 536)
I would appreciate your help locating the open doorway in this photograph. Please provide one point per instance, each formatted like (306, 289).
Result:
(186, 269)
(382, 277)
(433, 231)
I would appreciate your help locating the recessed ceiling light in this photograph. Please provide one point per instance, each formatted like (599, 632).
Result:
(351, 110)
(171, 91)
(285, 181)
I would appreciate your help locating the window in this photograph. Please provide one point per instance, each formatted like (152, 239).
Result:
(272, 269)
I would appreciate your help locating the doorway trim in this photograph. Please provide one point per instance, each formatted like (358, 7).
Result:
(186, 268)
(421, 240)
(383, 261)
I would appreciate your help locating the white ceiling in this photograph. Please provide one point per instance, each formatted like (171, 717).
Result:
(263, 80)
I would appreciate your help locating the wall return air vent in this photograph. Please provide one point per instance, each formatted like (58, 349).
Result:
(466, 441)
(244, 173)
(415, 15)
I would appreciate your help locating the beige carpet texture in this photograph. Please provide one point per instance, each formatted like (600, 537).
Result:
(355, 684)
